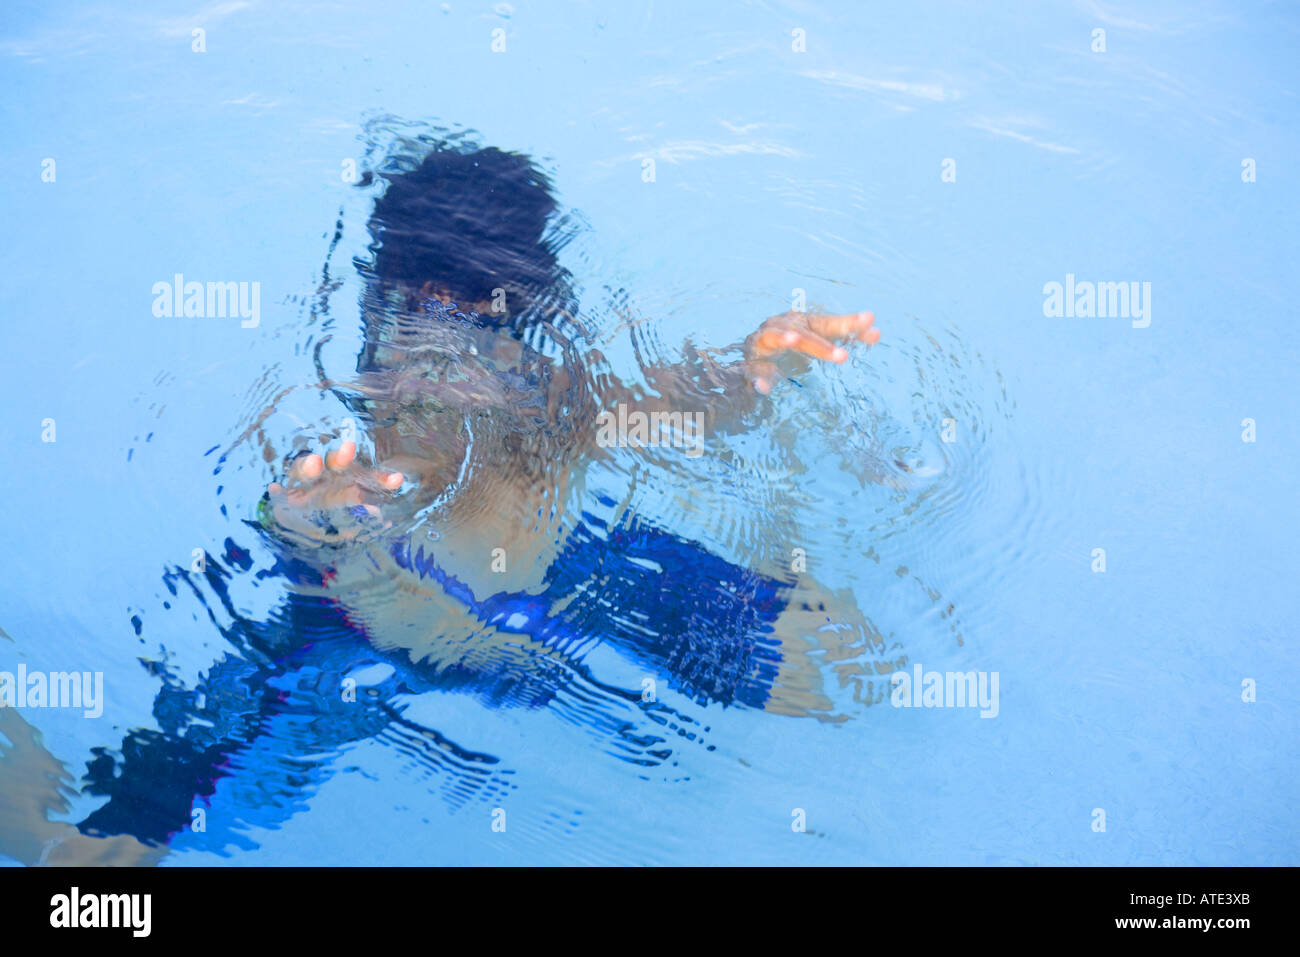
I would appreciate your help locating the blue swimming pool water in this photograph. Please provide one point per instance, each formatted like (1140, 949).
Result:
(939, 164)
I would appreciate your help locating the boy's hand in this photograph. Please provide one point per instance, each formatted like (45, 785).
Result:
(807, 333)
(330, 500)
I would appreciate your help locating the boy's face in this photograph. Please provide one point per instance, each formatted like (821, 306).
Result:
(420, 332)
(445, 294)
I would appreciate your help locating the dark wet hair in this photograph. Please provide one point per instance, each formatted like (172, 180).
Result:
(470, 221)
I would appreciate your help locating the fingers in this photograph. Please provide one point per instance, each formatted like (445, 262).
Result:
(333, 499)
(810, 343)
(851, 325)
(762, 375)
(380, 479)
(777, 339)
(812, 334)
(306, 467)
(769, 340)
(342, 457)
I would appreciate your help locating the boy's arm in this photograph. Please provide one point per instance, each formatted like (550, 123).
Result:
(336, 498)
(722, 392)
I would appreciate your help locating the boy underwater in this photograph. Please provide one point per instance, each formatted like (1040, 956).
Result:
(443, 557)
(492, 434)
